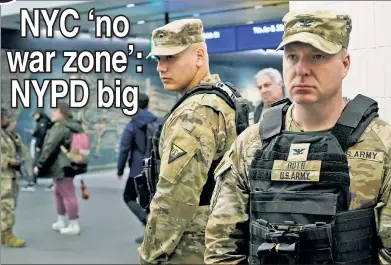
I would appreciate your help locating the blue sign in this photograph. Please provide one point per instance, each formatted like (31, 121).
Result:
(220, 40)
(240, 38)
(259, 36)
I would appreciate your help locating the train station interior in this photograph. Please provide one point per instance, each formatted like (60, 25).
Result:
(241, 36)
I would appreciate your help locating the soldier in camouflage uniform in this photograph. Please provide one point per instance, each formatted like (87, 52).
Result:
(315, 62)
(23, 153)
(10, 165)
(196, 134)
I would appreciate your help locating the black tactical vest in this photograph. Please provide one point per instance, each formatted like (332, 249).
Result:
(244, 116)
(300, 197)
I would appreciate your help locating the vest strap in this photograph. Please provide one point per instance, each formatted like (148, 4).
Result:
(220, 89)
(231, 96)
(354, 119)
(273, 119)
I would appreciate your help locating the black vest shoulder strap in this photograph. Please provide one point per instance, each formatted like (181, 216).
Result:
(354, 119)
(156, 136)
(228, 94)
(273, 119)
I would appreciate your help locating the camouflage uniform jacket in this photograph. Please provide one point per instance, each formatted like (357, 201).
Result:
(227, 234)
(199, 131)
(9, 149)
(23, 154)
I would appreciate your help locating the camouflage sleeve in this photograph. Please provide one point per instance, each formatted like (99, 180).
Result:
(383, 210)
(4, 154)
(226, 235)
(188, 146)
(17, 141)
(20, 146)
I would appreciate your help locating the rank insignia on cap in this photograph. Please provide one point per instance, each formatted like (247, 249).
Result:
(305, 23)
(160, 37)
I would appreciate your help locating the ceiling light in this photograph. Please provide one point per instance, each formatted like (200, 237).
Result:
(250, 22)
(258, 7)
(141, 22)
(130, 5)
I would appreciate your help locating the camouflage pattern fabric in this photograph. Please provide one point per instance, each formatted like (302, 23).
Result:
(9, 198)
(176, 37)
(8, 150)
(9, 180)
(23, 153)
(199, 131)
(227, 229)
(323, 29)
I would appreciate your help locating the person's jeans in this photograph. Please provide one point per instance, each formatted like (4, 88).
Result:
(33, 177)
(130, 198)
(66, 200)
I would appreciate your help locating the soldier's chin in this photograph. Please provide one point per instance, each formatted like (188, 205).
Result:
(170, 87)
(304, 99)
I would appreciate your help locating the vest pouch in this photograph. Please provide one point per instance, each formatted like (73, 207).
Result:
(301, 208)
(277, 236)
(348, 237)
(355, 237)
(281, 247)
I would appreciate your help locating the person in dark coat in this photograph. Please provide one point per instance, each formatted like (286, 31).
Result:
(132, 152)
(43, 123)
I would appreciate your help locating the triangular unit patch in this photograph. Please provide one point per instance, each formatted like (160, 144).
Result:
(175, 153)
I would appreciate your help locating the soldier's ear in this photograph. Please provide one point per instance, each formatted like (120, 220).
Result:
(200, 53)
(346, 63)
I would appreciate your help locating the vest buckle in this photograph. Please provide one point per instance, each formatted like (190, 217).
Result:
(281, 253)
(317, 224)
(281, 247)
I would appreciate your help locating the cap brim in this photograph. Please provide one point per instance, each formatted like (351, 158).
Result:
(314, 40)
(166, 51)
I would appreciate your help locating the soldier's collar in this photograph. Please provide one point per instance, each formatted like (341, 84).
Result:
(210, 79)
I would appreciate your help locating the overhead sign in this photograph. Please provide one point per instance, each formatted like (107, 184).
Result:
(220, 40)
(241, 38)
(259, 36)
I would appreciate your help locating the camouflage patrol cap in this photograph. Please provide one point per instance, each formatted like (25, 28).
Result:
(323, 29)
(176, 37)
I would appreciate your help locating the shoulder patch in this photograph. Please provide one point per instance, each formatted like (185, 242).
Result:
(175, 153)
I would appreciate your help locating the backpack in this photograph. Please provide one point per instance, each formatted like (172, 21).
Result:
(78, 154)
(244, 109)
(149, 131)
